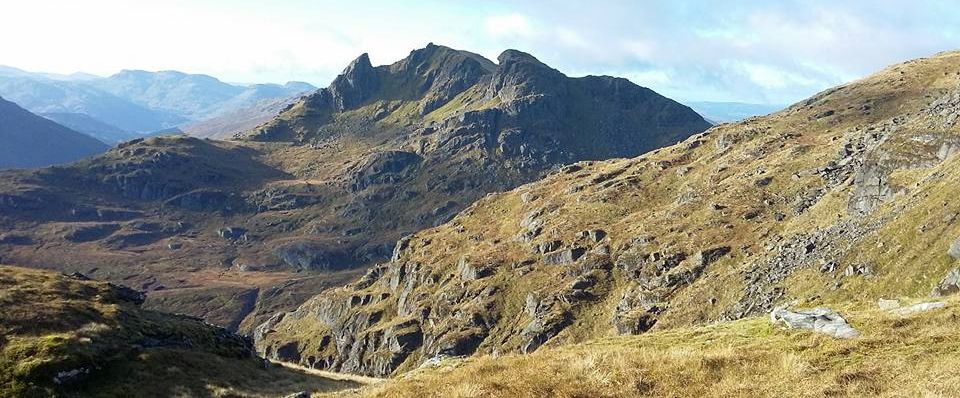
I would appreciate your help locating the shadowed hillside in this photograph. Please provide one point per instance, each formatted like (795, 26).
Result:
(32, 141)
(71, 337)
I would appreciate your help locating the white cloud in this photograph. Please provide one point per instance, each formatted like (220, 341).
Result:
(509, 25)
(640, 48)
(753, 50)
(649, 77)
(571, 38)
(773, 78)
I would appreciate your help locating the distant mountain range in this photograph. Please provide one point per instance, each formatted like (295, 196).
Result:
(726, 112)
(192, 97)
(133, 103)
(136, 103)
(86, 124)
(226, 125)
(33, 141)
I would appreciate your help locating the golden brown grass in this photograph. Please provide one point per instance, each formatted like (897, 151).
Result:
(669, 194)
(51, 323)
(896, 356)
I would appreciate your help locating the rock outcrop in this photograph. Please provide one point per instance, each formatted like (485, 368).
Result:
(842, 197)
(337, 178)
(820, 320)
(950, 284)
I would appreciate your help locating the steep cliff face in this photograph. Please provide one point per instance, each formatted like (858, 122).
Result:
(235, 231)
(453, 126)
(840, 200)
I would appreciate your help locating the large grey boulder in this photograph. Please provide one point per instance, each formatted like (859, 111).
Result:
(820, 320)
(567, 256)
(950, 284)
(470, 271)
(232, 233)
(954, 250)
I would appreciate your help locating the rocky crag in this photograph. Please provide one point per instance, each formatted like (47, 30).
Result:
(235, 231)
(839, 200)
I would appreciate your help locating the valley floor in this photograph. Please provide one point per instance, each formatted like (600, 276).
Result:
(896, 355)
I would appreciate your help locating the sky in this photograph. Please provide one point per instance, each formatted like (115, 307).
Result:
(774, 52)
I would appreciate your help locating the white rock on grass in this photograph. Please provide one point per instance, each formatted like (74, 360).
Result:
(885, 304)
(913, 309)
(820, 320)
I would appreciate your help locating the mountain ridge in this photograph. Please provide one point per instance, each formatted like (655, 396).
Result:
(840, 200)
(235, 231)
(138, 101)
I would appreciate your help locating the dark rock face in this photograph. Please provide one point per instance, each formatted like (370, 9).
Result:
(203, 200)
(656, 276)
(636, 312)
(232, 233)
(388, 167)
(470, 271)
(124, 293)
(547, 319)
(458, 125)
(566, 256)
(15, 239)
(402, 313)
(132, 239)
(357, 83)
(312, 256)
(706, 257)
(447, 73)
(363, 351)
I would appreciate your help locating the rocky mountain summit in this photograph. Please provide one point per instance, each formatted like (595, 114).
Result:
(838, 200)
(443, 127)
(235, 231)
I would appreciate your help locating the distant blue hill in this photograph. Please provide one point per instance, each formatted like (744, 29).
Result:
(29, 140)
(724, 112)
(134, 102)
(42, 95)
(88, 125)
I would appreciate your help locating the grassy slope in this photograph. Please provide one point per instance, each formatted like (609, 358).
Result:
(670, 194)
(206, 274)
(53, 323)
(896, 356)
